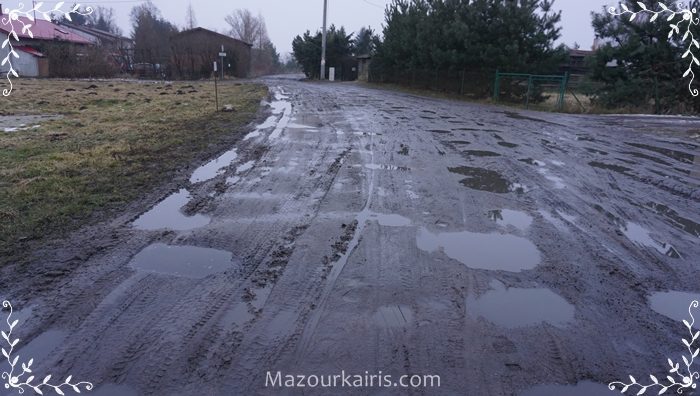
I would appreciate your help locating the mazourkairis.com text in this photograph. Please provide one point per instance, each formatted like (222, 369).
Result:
(343, 380)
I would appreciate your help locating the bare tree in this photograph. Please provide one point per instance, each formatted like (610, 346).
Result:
(190, 18)
(245, 26)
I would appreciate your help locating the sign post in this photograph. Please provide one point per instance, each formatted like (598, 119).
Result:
(216, 87)
(222, 54)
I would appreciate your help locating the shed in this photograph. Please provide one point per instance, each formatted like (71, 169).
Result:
(363, 63)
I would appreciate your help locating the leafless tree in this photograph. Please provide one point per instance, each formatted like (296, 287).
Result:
(191, 19)
(247, 27)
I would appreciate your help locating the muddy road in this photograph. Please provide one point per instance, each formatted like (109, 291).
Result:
(361, 230)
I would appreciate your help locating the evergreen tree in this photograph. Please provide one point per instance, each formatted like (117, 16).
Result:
(640, 65)
(477, 36)
(307, 50)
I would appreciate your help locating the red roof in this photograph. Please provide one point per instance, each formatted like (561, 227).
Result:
(43, 30)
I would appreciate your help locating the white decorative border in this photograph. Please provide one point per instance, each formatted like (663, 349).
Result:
(14, 381)
(687, 378)
(10, 16)
(687, 15)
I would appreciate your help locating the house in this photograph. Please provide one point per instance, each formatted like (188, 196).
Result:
(119, 48)
(33, 61)
(576, 63)
(194, 51)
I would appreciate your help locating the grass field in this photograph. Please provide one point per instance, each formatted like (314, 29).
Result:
(113, 141)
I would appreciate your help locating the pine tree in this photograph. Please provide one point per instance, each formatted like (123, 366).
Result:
(639, 65)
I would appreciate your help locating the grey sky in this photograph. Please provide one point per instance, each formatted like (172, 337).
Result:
(287, 18)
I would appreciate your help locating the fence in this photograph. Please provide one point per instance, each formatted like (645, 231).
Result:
(537, 89)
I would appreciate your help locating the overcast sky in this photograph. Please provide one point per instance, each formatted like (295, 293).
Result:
(287, 18)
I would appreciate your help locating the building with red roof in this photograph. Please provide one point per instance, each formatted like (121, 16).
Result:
(32, 48)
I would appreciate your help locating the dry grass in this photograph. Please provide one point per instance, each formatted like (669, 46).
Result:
(116, 141)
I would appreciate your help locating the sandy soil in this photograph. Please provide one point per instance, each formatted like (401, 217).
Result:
(364, 230)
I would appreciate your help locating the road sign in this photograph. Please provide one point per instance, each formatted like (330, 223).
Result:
(222, 54)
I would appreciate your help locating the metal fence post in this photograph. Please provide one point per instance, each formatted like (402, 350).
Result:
(496, 87)
(529, 88)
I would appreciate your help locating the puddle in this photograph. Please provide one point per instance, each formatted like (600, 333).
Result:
(507, 144)
(213, 168)
(557, 163)
(184, 261)
(443, 131)
(42, 346)
(558, 181)
(531, 161)
(387, 167)
(481, 153)
(167, 215)
(393, 316)
(674, 305)
(512, 308)
(596, 151)
(464, 142)
(390, 220)
(245, 167)
(482, 251)
(584, 388)
(505, 217)
(482, 179)
(641, 236)
(678, 221)
(281, 106)
(648, 157)
(615, 168)
(676, 155)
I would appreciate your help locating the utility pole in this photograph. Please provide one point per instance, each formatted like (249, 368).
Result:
(34, 8)
(323, 41)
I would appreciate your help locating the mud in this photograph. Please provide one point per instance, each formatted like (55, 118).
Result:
(332, 250)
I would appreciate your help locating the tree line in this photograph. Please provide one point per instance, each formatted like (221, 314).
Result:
(426, 42)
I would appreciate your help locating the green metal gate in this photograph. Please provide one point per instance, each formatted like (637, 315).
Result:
(531, 79)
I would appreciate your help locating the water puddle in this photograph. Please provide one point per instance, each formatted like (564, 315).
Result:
(678, 221)
(167, 215)
(641, 236)
(481, 153)
(506, 217)
(213, 168)
(558, 181)
(482, 251)
(284, 107)
(507, 144)
(269, 123)
(648, 157)
(615, 168)
(674, 305)
(512, 308)
(676, 155)
(464, 142)
(584, 388)
(482, 179)
(443, 131)
(531, 161)
(389, 220)
(393, 316)
(183, 261)
(42, 346)
(245, 167)
(387, 167)
(596, 151)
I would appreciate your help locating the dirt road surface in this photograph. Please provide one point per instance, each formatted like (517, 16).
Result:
(363, 230)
